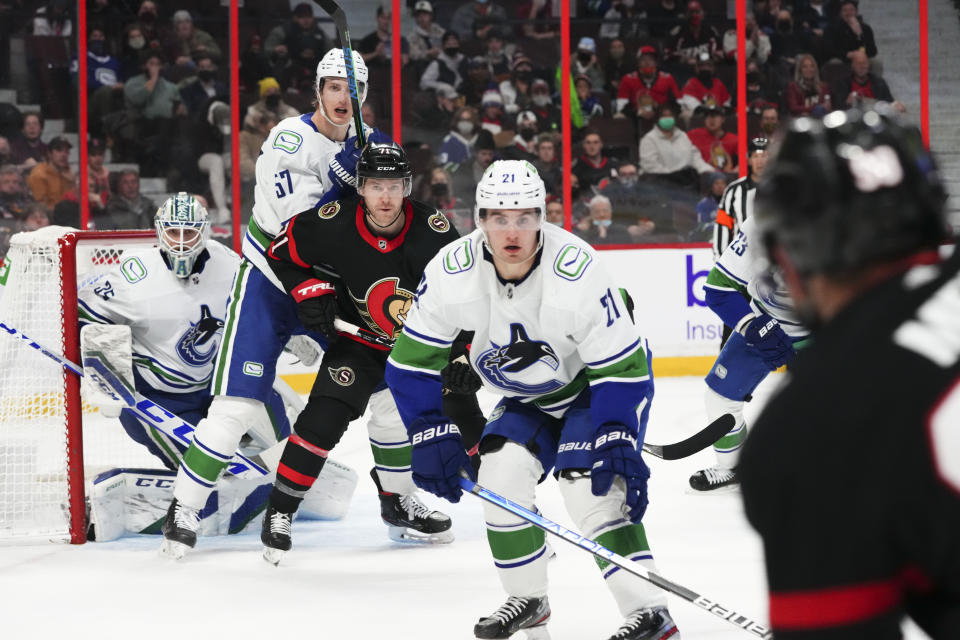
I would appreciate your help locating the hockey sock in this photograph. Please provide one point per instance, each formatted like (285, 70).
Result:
(299, 467)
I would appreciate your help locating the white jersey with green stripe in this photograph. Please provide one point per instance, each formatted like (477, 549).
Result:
(291, 176)
(542, 339)
(176, 323)
(744, 267)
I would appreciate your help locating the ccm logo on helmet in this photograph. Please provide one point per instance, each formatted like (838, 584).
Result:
(434, 432)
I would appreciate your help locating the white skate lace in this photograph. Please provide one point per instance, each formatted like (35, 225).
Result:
(415, 509)
(716, 475)
(509, 609)
(186, 517)
(280, 523)
(636, 620)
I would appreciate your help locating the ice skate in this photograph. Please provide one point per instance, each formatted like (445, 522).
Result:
(179, 530)
(714, 478)
(647, 624)
(409, 520)
(529, 615)
(275, 535)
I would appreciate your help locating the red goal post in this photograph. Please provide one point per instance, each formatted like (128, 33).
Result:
(42, 428)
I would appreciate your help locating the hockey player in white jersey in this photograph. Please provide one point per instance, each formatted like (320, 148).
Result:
(304, 161)
(556, 338)
(171, 303)
(750, 297)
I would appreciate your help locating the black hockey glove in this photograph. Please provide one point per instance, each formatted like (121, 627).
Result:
(317, 307)
(437, 458)
(615, 454)
(459, 377)
(766, 336)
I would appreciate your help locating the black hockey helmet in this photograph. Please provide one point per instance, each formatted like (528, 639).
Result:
(385, 160)
(851, 190)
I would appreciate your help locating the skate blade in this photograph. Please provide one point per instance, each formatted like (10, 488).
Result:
(730, 488)
(407, 535)
(173, 550)
(272, 555)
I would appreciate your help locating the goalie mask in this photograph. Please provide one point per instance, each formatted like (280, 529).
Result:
(510, 184)
(182, 232)
(332, 65)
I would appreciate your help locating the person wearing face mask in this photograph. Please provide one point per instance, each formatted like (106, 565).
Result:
(787, 43)
(154, 31)
(623, 20)
(541, 103)
(590, 106)
(585, 63)
(271, 100)
(616, 65)
(103, 70)
(444, 71)
(524, 145)
(468, 174)
(491, 114)
(427, 36)
(643, 90)
(704, 88)
(437, 192)
(847, 34)
(663, 16)
(599, 227)
(516, 89)
(457, 145)
(695, 37)
(495, 55)
(198, 93)
(666, 151)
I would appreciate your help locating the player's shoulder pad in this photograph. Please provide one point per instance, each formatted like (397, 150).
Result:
(565, 256)
(288, 135)
(431, 216)
(459, 256)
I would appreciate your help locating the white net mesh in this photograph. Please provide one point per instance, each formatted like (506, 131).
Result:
(34, 493)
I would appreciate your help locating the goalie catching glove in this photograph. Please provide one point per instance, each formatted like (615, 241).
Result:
(766, 336)
(438, 458)
(317, 306)
(615, 454)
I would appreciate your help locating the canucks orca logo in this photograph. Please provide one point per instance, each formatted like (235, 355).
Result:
(203, 332)
(523, 366)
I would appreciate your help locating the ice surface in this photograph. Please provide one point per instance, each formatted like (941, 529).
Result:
(346, 579)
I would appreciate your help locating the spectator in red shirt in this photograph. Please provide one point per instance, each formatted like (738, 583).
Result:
(862, 89)
(807, 94)
(704, 89)
(718, 147)
(645, 89)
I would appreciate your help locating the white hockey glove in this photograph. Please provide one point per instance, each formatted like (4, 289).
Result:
(114, 344)
(304, 348)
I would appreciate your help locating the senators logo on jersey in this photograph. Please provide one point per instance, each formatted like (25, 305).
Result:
(385, 306)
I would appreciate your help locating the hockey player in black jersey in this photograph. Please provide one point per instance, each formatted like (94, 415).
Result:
(852, 472)
(359, 259)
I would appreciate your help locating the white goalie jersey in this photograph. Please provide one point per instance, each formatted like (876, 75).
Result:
(176, 323)
(292, 176)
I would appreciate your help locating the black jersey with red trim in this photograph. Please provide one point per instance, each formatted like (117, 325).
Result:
(375, 277)
(851, 475)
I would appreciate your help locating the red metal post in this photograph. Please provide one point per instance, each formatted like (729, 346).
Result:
(742, 85)
(395, 69)
(565, 97)
(82, 113)
(235, 121)
(72, 405)
(924, 75)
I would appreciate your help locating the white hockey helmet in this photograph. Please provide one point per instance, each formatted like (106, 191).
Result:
(183, 229)
(332, 65)
(510, 184)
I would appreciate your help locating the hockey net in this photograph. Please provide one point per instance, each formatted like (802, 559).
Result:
(47, 435)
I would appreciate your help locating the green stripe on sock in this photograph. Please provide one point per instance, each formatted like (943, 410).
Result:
(392, 456)
(516, 543)
(413, 353)
(203, 465)
(231, 324)
(732, 440)
(624, 541)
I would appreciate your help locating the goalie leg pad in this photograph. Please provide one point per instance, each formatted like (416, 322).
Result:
(603, 518)
(112, 344)
(214, 443)
(390, 444)
(519, 549)
(728, 447)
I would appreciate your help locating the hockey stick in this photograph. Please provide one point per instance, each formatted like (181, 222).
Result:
(147, 410)
(364, 334)
(697, 442)
(340, 20)
(733, 617)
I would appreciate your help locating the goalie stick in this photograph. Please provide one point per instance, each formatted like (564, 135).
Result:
(147, 410)
(673, 451)
(340, 20)
(733, 617)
